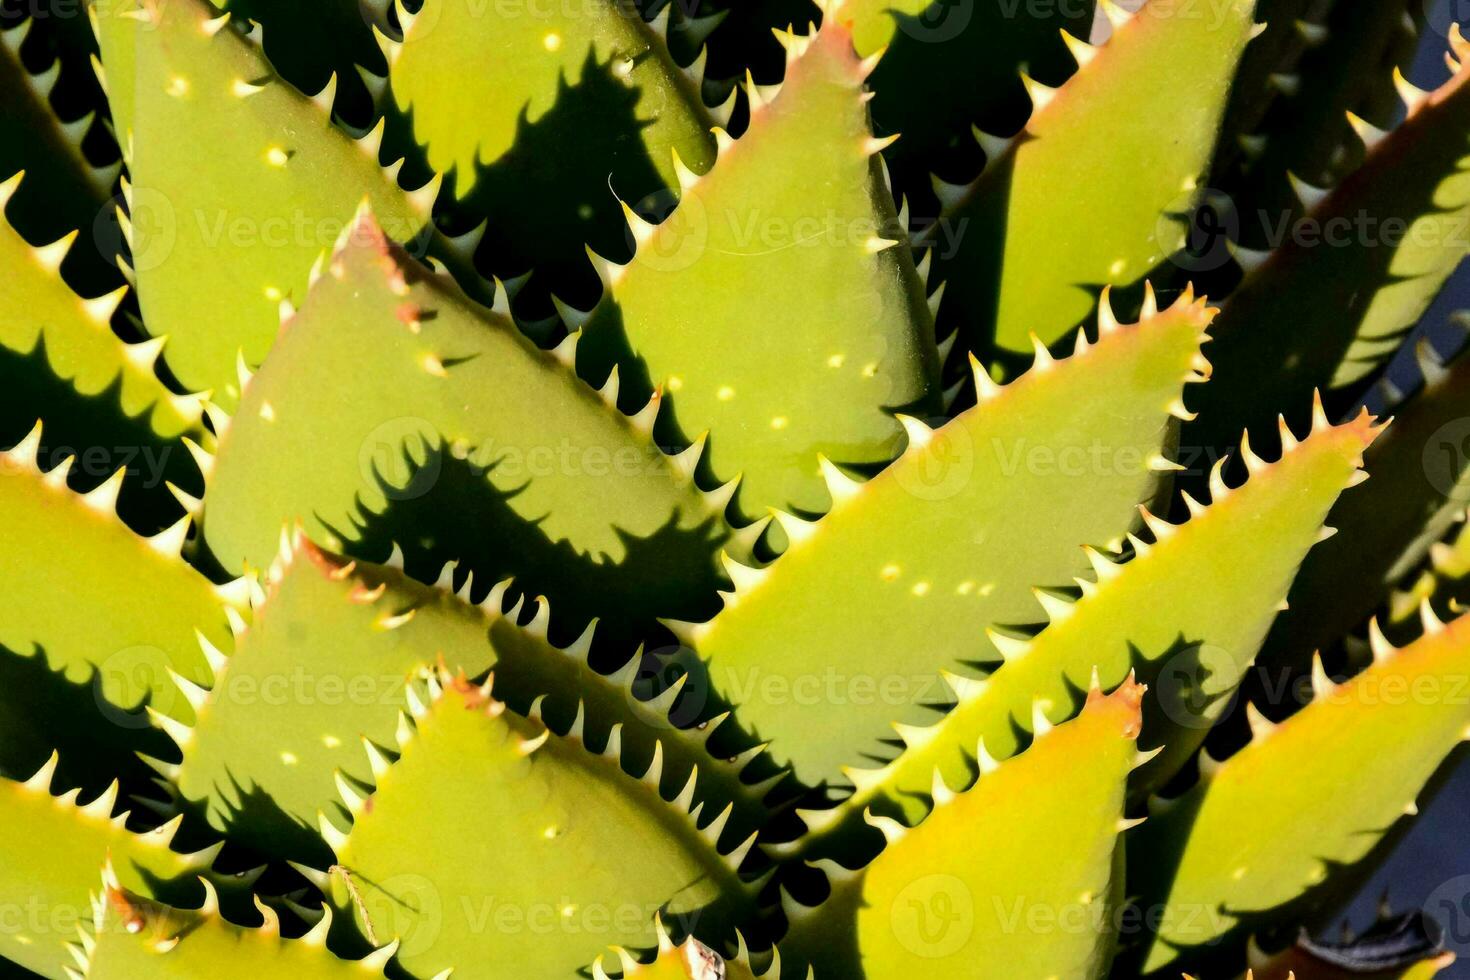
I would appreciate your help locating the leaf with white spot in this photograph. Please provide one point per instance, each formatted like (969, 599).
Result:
(238, 182)
(1255, 841)
(784, 318)
(1017, 251)
(486, 810)
(325, 668)
(1189, 609)
(1040, 898)
(386, 364)
(848, 630)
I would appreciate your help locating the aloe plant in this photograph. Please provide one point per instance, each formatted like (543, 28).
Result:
(547, 490)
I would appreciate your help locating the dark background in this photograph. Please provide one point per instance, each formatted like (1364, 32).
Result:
(1431, 867)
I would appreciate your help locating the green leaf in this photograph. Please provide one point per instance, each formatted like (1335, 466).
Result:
(496, 90)
(321, 672)
(100, 398)
(1387, 529)
(219, 239)
(488, 817)
(1334, 301)
(1258, 837)
(37, 307)
(324, 670)
(949, 66)
(780, 317)
(133, 937)
(51, 857)
(1201, 594)
(1022, 868)
(471, 74)
(310, 44)
(948, 541)
(1135, 127)
(580, 486)
(66, 190)
(109, 604)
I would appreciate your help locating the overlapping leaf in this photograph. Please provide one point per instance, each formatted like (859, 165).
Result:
(1387, 528)
(1017, 252)
(946, 67)
(1191, 608)
(486, 811)
(109, 604)
(324, 671)
(1042, 903)
(237, 182)
(818, 649)
(577, 487)
(51, 858)
(1262, 832)
(783, 318)
(1334, 300)
(131, 937)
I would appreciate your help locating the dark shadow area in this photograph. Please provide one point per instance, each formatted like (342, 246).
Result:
(294, 34)
(968, 246)
(605, 343)
(957, 65)
(572, 192)
(743, 40)
(1308, 133)
(460, 516)
(260, 827)
(1317, 909)
(1273, 346)
(94, 429)
(59, 194)
(235, 891)
(41, 711)
(294, 41)
(59, 29)
(14, 971)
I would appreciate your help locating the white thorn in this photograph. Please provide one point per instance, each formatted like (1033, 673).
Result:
(841, 487)
(1310, 196)
(919, 434)
(103, 499)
